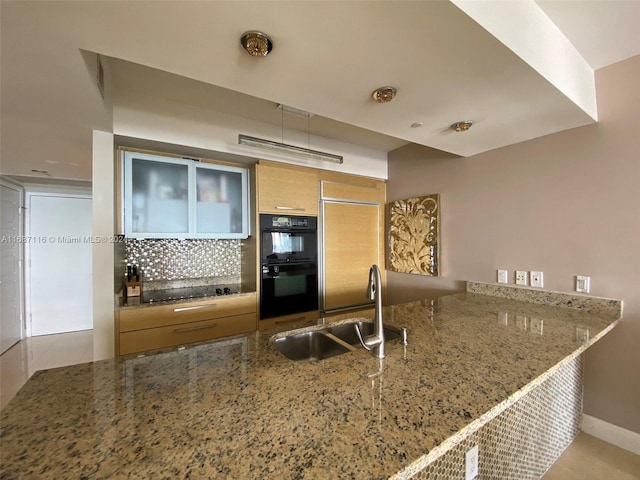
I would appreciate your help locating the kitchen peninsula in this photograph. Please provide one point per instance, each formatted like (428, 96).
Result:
(479, 367)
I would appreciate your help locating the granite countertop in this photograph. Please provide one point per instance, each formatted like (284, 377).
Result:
(236, 408)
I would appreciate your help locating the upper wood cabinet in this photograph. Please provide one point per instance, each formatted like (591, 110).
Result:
(167, 197)
(283, 189)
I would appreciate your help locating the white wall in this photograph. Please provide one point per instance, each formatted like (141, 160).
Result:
(103, 252)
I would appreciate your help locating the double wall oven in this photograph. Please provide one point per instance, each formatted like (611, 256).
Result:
(289, 262)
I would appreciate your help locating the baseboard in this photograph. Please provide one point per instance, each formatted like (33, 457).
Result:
(610, 433)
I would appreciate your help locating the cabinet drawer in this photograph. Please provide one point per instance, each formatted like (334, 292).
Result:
(170, 336)
(305, 317)
(179, 313)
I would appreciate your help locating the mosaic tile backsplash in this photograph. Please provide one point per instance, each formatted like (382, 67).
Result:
(171, 259)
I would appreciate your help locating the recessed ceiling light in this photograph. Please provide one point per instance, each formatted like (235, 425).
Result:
(462, 126)
(384, 94)
(52, 162)
(258, 44)
(40, 172)
(417, 124)
(74, 164)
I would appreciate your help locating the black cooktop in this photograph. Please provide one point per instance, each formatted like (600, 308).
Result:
(154, 296)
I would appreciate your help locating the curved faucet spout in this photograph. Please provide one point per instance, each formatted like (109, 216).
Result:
(375, 341)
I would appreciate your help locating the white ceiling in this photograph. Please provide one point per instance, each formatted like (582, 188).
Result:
(327, 59)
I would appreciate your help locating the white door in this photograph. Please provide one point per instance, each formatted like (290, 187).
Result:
(60, 269)
(10, 256)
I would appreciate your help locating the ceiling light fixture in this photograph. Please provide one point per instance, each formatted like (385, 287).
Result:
(294, 111)
(258, 44)
(278, 147)
(462, 126)
(384, 94)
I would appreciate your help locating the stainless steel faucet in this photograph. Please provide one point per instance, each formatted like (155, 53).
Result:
(375, 341)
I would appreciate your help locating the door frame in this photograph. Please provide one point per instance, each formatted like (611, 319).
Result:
(39, 191)
(21, 256)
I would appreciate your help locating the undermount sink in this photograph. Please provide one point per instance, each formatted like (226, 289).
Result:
(327, 342)
(347, 332)
(314, 345)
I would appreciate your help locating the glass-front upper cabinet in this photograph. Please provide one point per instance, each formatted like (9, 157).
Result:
(177, 198)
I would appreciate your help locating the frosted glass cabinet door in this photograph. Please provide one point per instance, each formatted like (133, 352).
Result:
(179, 198)
(159, 197)
(221, 194)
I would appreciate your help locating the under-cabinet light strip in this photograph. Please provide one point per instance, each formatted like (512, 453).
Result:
(288, 149)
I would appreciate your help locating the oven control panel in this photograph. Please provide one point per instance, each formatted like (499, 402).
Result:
(296, 222)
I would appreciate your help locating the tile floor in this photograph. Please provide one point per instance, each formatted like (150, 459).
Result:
(38, 353)
(587, 458)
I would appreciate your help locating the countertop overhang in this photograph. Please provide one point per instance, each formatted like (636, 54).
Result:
(237, 408)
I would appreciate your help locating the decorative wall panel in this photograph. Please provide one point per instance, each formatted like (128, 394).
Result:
(414, 231)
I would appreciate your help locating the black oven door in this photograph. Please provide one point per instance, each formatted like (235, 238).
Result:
(288, 289)
(288, 239)
(285, 246)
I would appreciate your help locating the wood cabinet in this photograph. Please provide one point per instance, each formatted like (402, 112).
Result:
(287, 189)
(154, 327)
(353, 240)
(350, 210)
(293, 320)
(168, 197)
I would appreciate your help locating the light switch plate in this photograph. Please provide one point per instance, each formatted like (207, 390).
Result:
(582, 334)
(521, 277)
(583, 283)
(503, 276)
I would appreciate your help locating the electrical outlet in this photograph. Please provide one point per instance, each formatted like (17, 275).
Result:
(521, 277)
(536, 279)
(583, 284)
(471, 463)
(503, 276)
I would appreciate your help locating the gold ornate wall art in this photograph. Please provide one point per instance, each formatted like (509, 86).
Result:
(414, 233)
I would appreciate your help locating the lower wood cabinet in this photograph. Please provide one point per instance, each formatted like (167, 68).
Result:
(153, 327)
(303, 317)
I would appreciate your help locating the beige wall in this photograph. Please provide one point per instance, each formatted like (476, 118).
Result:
(567, 204)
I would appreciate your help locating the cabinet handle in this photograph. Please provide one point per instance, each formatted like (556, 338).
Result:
(280, 322)
(300, 209)
(197, 307)
(193, 329)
